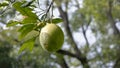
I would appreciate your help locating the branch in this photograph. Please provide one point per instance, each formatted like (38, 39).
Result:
(48, 9)
(66, 53)
(84, 34)
(4, 10)
(7, 7)
(64, 64)
(83, 59)
(110, 17)
(60, 60)
(116, 31)
(83, 29)
(89, 23)
(70, 54)
(78, 53)
(66, 23)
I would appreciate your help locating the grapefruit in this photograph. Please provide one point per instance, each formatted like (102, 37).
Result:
(51, 37)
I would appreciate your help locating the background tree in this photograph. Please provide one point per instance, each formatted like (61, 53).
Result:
(91, 31)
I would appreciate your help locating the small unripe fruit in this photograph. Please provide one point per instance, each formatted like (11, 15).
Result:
(51, 37)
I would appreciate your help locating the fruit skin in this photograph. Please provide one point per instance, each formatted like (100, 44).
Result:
(51, 37)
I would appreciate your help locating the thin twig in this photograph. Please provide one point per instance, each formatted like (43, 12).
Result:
(4, 10)
(83, 29)
(48, 10)
(51, 14)
(7, 7)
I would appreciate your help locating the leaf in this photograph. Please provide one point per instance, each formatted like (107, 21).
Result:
(12, 23)
(28, 3)
(24, 10)
(3, 4)
(31, 34)
(56, 20)
(25, 29)
(29, 20)
(29, 44)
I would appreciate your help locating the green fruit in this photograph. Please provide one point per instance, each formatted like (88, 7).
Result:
(51, 37)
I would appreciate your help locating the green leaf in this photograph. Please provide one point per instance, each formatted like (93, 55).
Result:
(29, 20)
(12, 23)
(24, 10)
(25, 29)
(28, 3)
(31, 34)
(56, 20)
(29, 44)
(3, 4)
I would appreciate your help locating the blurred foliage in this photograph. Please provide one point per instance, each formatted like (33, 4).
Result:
(6, 61)
(106, 48)
(21, 34)
(10, 58)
